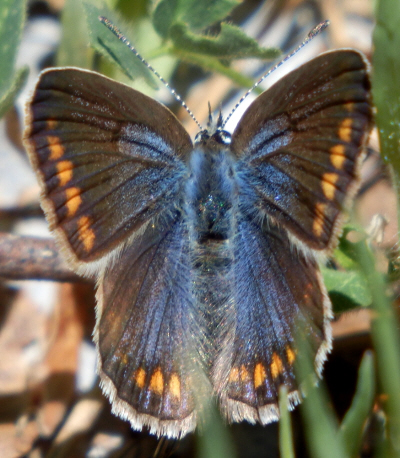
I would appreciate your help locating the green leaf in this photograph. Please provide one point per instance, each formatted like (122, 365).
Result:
(285, 427)
(165, 14)
(352, 284)
(12, 19)
(230, 43)
(386, 87)
(344, 258)
(109, 46)
(196, 14)
(346, 254)
(386, 341)
(130, 10)
(213, 64)
(199, 14)
(320, 423)
(73, 49)
(7, 98)
(352, 427)
(214, 439)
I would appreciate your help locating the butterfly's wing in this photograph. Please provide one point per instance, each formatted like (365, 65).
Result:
(145, 332)
(276, 291)
(298, 147)
(108, 159)
(111, 163)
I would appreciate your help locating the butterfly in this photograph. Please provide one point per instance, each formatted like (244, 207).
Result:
(205, 253)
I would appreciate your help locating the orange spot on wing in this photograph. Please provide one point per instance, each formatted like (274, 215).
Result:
(328, 184)
(345, 129)
(318, 223)
(51, 124)
(349, 106)
(291, 355)
(259, 375)
(337, 155)
(234, 375)
(276, 366)
(64, 171)
(85, 233)
(140, 377)
(74, 200)
(157, 382)
(175, 386)
(244, 374)
(55, 147)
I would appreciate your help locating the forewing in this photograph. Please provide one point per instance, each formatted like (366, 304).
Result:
(144, 332)
(299, 146)
(276, 290)
(108, 159)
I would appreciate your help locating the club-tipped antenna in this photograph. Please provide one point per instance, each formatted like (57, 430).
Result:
(312, 34)
(121, 37)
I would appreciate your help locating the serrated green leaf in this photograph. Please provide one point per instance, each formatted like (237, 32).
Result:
(196, 14)
(73, 49)
(230, 43)
(109, 46)
(199, 14)
(351, 284)
(130, 10)
(12, 19)
(353, 227)
(346, 254)
(215, 65)
(344, 260)
(165, 14)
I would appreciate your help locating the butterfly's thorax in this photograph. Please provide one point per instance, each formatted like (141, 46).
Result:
(211, 208)
(210, 191)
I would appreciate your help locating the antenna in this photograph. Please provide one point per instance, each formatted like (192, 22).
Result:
(121, 37)
(312, 34)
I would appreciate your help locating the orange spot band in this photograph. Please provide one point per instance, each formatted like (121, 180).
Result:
(329, 181)
(64, 171)
(55, 147)
(318, 223)
(259, 375)
(175, 386)
(85, 233)
(345, 130)
(291, 356)
(74, 200)
(337, 156)
(157, 382)
(140, 377)
(276, 366)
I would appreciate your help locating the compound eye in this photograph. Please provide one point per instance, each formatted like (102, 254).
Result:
(224, 137)
(202, 136)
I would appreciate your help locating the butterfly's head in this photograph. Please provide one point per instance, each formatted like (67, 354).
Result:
(218, 135)
(214, 131)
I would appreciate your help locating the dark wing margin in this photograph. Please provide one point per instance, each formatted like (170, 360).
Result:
(108, 159)
(300, 145)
